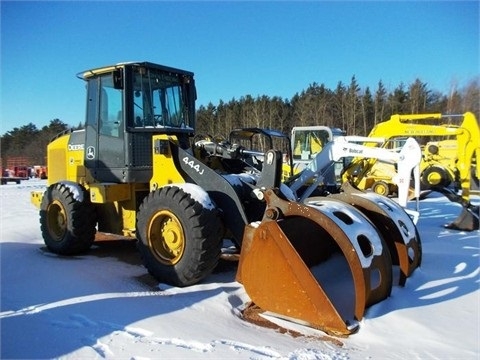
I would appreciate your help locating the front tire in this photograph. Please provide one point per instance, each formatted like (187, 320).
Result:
(179, 239)
(67, 220)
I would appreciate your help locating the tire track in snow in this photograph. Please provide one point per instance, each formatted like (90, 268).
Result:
(105, 345)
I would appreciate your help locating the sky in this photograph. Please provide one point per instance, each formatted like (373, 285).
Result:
(239, 48)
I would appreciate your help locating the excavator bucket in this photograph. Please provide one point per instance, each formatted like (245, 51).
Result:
(320, 264)
(467, 220)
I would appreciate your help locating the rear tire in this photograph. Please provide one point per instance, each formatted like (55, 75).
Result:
(179, 239)
(67, 221)
(381, 188)
(435, 176)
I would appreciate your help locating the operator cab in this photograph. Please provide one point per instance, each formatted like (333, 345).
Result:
(127, 103)
(308, 141)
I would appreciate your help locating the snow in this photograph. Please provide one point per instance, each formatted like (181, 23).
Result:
(198, 194)
(104, 305)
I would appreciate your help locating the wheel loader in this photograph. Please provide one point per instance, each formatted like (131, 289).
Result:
(139, 170)
(451, 149)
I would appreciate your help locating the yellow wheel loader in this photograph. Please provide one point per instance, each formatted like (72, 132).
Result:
(138, 170)
(450, 152)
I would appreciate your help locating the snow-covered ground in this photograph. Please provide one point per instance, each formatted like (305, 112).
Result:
(104, 304)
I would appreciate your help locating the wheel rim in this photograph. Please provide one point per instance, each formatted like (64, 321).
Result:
(434, 178)
(166, 238)
(380, 189)
(57, 221)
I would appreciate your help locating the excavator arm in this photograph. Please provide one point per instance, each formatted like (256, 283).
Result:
(407, 160)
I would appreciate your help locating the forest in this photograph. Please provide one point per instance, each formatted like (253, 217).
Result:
(349, 107)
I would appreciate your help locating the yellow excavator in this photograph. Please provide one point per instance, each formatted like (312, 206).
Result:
(138, 170)
(450, 152)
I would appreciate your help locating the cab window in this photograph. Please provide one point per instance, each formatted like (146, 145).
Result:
(157, 99)
(110, 107)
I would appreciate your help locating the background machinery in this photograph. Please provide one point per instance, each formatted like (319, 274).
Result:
(14, 169)
(307, 142)
(260, 140)
(138, 170)
(450, 149)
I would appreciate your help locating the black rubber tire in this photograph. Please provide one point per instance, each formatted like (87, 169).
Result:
(381, 188)
(67, 224)
(194, 234)
(420, 249)
(445, 179)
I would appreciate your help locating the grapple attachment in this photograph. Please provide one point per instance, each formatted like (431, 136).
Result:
(392, 222)
(320, 264)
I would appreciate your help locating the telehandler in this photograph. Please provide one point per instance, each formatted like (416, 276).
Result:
(140, 171)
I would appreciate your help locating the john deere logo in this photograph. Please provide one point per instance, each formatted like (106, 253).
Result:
(90, 153)
(75, 147)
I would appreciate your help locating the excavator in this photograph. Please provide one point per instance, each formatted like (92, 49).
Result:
(451, 149)
(139, 171)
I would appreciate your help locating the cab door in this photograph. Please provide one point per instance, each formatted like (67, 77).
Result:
(104, 143)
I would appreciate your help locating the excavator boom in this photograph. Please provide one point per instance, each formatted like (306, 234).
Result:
(407, 160)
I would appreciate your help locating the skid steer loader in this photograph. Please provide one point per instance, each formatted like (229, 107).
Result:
(135, 171)
(451, 149)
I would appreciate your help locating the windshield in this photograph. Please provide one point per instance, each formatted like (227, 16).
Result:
(158, 100)
(308, 143)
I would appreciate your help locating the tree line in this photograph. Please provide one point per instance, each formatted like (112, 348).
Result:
(350, 107)
(30, 142)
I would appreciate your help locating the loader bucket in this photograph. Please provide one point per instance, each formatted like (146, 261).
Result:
(292, 263)
(393, 223)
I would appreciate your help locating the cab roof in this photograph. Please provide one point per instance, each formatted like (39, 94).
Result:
(109, 68)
